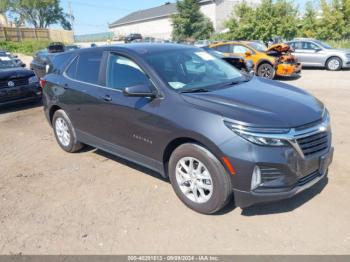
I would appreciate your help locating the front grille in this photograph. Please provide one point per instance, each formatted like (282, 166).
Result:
(17, 82)
(313, 144)
(308, 178)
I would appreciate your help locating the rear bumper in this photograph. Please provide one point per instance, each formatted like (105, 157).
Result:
(22, 94)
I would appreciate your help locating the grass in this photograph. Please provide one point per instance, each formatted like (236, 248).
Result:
(25, 47)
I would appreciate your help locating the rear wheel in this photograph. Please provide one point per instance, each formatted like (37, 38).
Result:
(199, 179)
(334, 64)
(65, 133)
(266, 70)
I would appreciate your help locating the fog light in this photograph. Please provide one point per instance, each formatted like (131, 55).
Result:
(256, 178)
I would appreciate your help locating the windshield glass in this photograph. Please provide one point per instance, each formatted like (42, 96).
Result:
(192, 68)
(323, 44)
(6, 62)
(258, 46)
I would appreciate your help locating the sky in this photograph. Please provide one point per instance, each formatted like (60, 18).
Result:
(93, 16)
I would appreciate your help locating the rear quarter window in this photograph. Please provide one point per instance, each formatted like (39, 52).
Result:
(88, 67)
(59, 63)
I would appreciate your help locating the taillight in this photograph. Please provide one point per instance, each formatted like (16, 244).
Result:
(42, 83)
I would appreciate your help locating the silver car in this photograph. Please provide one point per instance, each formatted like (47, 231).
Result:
(315, 53)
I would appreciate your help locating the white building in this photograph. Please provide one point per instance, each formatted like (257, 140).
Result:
(156, 22)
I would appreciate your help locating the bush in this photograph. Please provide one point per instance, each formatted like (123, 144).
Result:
(340, 43)
(25, 47)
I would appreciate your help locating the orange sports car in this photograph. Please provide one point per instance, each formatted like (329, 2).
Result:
(268, 62)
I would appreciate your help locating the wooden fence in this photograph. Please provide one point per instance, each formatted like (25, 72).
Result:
(21, 34)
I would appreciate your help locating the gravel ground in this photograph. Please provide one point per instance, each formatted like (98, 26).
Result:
(94, 203)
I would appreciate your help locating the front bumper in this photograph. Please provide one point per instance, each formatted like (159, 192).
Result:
(284, 170)
(346, 63)
(245, 199)
(288, 69)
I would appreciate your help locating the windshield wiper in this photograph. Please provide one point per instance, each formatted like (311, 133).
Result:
(195, 90)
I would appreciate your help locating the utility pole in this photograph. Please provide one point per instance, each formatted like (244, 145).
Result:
(70, 12)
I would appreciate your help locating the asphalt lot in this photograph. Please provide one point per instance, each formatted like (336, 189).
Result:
(91, 202)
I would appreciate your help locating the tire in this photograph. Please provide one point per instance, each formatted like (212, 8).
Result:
(266, 70)
(334, 64)
(61, 122)
(208, 201)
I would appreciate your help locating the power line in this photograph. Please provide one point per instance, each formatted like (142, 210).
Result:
(112, 8)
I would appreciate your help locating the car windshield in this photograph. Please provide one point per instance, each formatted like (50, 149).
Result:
(6, 62)
(323, 44)
(258, 46)
(190, 69)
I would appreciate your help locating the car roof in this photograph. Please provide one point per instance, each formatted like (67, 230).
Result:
(140, 48)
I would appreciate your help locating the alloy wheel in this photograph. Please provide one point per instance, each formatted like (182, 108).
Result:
(334, 64)
(266, 71)
(62, 131)
(194, 180)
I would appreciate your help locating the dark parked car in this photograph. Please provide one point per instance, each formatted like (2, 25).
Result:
(239, 62)
(56, 47)
(132, 37)
(192, 117)
(40, 63)
(17, 84)
(15, 58)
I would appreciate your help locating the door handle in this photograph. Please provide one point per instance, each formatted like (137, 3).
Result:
(107, 98)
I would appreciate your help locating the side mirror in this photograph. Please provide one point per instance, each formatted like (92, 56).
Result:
(23, 65)
(249, 66)
(248, 53)
(318, 50)
(139, 91)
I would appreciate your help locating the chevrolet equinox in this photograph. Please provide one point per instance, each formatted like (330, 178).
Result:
(214, 132)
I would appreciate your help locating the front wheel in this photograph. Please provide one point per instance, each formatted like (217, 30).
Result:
(199, 179)
(334, 64)
(266, 70)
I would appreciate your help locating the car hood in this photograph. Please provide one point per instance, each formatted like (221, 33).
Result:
(16, 72)
(279, 48)
(262, 103)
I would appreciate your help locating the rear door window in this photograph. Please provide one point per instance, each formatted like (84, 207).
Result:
(72, 68)
(123, 72)
(88, 67)
(239, 49)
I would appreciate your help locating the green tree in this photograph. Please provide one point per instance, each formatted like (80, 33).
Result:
(346, 15)
(308, 24)
(331, 25)
(270, 18)
(42, 13)
(189, 22)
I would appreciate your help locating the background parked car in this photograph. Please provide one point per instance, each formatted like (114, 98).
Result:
(17, 84)
(15, 58)
(56, 47)
(275, 60)
(315, 53)
(132, 37)
(238, 62)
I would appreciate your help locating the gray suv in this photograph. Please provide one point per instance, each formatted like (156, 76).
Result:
(195, 119)
(315, 53)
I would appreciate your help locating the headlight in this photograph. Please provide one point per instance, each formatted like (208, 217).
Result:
(259, 136)
(33, 80)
